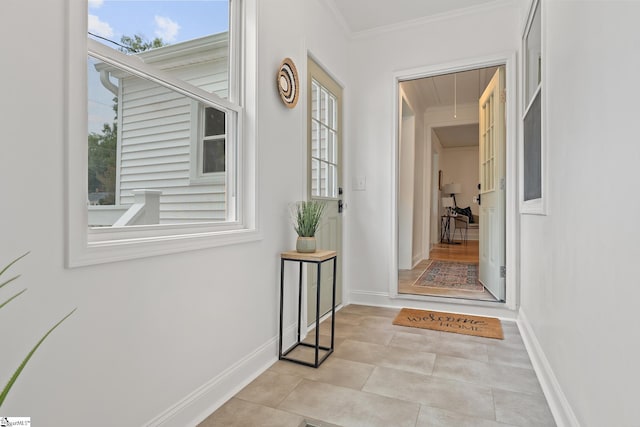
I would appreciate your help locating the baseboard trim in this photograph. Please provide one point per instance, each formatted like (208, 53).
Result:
(558, 403)
(203, 401)
(378, 299)
(452, 305)
(416, 260)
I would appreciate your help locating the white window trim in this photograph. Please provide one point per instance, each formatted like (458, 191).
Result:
(87, 247)
(534, 206)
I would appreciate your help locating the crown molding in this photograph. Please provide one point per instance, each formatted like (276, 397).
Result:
(331, 5)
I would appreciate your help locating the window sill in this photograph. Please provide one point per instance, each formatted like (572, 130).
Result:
(533, 207)
(106, 251)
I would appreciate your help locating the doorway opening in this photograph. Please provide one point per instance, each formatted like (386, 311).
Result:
(451, 185)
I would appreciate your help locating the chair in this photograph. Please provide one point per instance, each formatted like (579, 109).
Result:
(462, 223)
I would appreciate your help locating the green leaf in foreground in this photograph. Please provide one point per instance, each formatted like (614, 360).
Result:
(9, 265)
(12, 298)
(18, 371)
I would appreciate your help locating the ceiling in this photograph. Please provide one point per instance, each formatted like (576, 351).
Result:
(458, 136)
(460, 88)
(359, 15)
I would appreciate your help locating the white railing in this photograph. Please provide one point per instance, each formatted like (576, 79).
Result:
(144, 210)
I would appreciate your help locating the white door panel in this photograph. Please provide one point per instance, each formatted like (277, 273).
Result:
(492, 175)
(324, 115)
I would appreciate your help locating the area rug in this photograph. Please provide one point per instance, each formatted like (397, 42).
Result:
(457, 276)
(488, 327)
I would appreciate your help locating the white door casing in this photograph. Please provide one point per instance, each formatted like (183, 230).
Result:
(406, 186)
(324, 179)
(492, 185)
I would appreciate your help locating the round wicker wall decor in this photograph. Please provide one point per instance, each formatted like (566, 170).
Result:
(288, 83)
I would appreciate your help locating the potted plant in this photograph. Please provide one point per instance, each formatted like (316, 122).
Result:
(306, 220)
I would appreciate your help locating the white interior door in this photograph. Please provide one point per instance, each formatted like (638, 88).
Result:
(492, 186)
(324, 134)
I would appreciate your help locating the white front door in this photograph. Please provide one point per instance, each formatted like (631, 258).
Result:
(492, 186)
(324, 182)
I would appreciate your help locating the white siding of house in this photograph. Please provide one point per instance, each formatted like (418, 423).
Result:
(156, 140)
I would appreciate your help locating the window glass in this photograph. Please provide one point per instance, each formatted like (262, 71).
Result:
(533, 151)
(323, 142)
(213, 156)
(214, 122)
(141, 133)
(533, 56)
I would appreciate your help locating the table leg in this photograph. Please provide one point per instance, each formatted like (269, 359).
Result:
(299, 300)
(318, 312)
(333, 302)
(281, 306)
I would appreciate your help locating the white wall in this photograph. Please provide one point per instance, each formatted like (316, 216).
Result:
(147, 332)
(372, 129)
(460, 165)
(580, 289)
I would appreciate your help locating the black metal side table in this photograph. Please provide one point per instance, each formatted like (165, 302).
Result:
(445, 230)
(318, 258)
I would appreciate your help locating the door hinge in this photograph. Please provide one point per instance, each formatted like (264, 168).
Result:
(502, 183)
(503, 96)
(503, 272)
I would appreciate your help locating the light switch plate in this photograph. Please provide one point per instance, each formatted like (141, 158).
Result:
(359, 183)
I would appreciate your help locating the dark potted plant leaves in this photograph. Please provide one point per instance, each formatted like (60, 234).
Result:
(306, 220)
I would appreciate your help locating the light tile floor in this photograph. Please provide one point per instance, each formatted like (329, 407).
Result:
(386, 375)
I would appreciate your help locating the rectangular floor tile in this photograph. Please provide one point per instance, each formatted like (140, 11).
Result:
(488, 374)
(452, 395)
(440, 345)
(392, 357)
(436, 417)
(240, 413)
(366, 310)
(358, 333)
(269, 389)
(336, 371)
(513, 357)
(349, 408)
(522, 409)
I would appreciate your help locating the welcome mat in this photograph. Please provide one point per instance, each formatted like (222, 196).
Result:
(458, 276)
(488, 327)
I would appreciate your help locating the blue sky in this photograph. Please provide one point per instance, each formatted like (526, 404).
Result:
(172, 20)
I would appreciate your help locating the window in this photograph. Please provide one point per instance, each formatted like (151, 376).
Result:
(209, 153)
(532, 178)
(324, 142)
(156, 110)
(213, 141)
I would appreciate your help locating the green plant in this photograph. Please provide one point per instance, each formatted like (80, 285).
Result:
(306, 217)
(18, 371)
